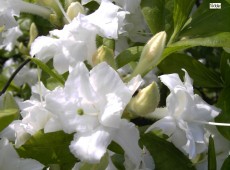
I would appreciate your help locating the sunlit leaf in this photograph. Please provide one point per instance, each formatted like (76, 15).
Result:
(102, 165)
(45, 68)
(158, 15)
(181, 13)
(7, 116)
(206, 21)
(49, 148)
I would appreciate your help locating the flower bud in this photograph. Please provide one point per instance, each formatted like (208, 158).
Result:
(151, 54)
(74, 9)
(33, 34)
(145, 101)
(102, 54)
(2, 28)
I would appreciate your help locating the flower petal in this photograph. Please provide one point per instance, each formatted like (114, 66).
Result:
(166, 124)
(105, 80)
(171, 81)
(91, 146)
(127, 137)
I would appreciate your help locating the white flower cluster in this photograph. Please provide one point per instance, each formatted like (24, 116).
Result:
(92, 103)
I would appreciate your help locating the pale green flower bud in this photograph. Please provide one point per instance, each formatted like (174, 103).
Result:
(151, 54)
(102, 54)
(146, 101)
(33, 34)
(2, 28)
(23, 49)
(74, 9)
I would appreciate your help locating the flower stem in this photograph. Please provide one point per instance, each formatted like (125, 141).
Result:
(34, 9)
(13, 75)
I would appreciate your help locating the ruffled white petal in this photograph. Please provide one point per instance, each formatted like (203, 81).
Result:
(92, 145)
(127, 137)
(171, 81)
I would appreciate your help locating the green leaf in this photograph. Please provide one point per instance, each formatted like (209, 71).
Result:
(225, 68)
(166, 156)
(49, 148)
(9, 102)
(201, 75)
(211, 154)
(100, 166)
(128, 55)
(3, 81)
(45, 68)
(224, 117)
(158, 15)
(118, 161)
(114, 147)
(207, 21)
(226, 164)
(7, 116)
(217, 40)
(181, 13)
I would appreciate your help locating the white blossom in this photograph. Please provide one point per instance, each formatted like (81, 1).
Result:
(76, 42)
(34, 117)
(9, 159)
(91, 104)
(182, 119)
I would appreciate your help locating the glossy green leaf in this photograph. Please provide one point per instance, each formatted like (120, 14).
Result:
(211, 155)
(207, 21)
(181, 13)
(45, 68)
(158, 15)
(114, 147)
(224, 117)
(118, 161)
(226, 164)
(217, 40)
(166, 156)
(49, 148)
(7, 116)
(201, 75)
(225, 68)
(128, 55)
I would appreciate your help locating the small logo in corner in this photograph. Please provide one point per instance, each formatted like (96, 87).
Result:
(214, 5)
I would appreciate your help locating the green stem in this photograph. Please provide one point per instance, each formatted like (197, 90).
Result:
(34, 9)
(13, 76)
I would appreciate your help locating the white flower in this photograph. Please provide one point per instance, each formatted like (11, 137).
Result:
(91, 104)
(76, 42)
(9, 159)
(183, 116)
(10, 37)
(10, 9)
(34, 117)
